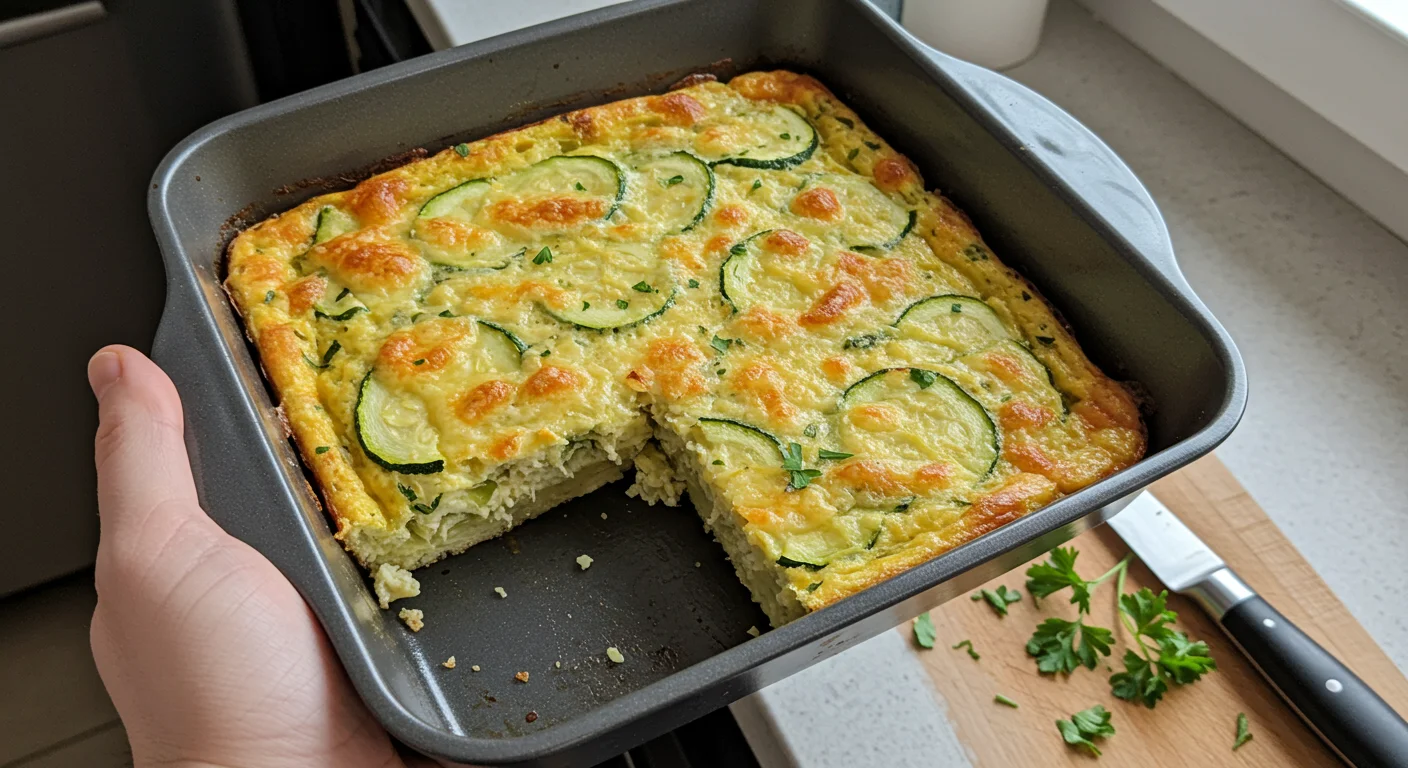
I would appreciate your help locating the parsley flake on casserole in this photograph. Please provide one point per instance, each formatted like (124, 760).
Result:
(843, 377)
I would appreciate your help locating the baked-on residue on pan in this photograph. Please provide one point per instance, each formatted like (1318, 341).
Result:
(736, 289)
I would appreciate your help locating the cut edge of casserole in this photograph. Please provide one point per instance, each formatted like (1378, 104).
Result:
(882, 386)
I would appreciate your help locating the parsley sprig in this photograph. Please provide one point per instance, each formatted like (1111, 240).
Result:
(1085, 726)
(799, 477)
(1057, 644)
(1165, 655)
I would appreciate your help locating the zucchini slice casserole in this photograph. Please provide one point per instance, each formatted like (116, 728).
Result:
(738, 289)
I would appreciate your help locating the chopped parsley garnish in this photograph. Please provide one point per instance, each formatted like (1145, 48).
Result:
(622, 303)
(1085, 725)
(341, 316)
(785, 136)
(852, 154)
(643, 287)
(967, 644)
(832, 455)
(409, 493)
(863, 342)
(419, 362)
(322, 449)
(544, 256)
(1047, 340)
(721, 345)
(693, 283)
(799, 476)
(1164, 655)
(268, 297)
(923, 378)
(1000, 598)
(757, 184)
(545, 353)
(447, 313)
(955, 308)
(578, 186)
(810, 431)
(1244, 732)
(721, 371)
(332, 350)
(426, 509)
(586, 305)
(1004, 701)
(924, 633)
(717, 462)
(846, 121)
(871, 144)
(462, 150)
(343, 294)
(672, 181)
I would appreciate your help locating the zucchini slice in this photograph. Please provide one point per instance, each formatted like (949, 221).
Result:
(332, 222)
(873, 221)
(461, 203)
(580, 175)
(481, 494)
(498, 347)
(678, 188)
(917, 415)
(842, 536)
(772, 140)
(396, 432)
(1036, 381)
(739, 445)
(610, 315)
(962, 323)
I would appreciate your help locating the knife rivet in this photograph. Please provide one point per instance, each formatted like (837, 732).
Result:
(1268, 623)
(1334, 686)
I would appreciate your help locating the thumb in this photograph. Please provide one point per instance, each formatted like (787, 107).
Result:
(139, 450)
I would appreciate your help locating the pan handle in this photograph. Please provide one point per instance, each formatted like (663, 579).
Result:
(1051, 137)
(37, 26)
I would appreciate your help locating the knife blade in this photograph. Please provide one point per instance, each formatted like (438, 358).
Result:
(1361, 728)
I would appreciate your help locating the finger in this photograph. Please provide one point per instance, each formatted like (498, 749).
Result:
(139, 450)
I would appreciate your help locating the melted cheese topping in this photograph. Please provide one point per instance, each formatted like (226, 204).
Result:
(826, 279)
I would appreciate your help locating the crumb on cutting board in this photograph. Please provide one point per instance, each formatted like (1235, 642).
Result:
(500, 591)
(558, 664)
(585, 561)
(474, 667)
(531, 717)
(414, 618)
(754, 631)
(449, 663)
(392, 583)
(521, 677)
(615, 655)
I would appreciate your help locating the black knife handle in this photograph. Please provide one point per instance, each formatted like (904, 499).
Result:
(1346, 712)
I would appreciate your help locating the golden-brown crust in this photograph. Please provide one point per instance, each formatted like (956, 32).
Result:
(275, 303)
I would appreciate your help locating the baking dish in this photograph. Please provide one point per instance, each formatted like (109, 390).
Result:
(1047, 195)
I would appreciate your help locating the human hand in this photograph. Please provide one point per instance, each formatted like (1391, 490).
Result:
(209, 654)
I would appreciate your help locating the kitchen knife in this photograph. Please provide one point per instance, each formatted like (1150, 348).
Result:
(1346, 713)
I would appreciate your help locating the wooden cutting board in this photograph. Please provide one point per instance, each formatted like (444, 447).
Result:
(1194, 725)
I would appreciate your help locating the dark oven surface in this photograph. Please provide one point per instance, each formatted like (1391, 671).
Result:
(1052, 200)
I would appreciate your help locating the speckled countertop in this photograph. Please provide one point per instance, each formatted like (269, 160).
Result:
(1313, 292)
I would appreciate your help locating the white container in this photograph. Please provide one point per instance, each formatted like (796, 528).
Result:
(990, 33)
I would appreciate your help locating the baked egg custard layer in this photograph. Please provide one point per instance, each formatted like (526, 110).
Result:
(734, 289)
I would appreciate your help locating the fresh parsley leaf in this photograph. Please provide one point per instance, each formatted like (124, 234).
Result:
(421, 361)
(693, 283)
(1085, 725)
(799, 476)
(923, 378)
(1138, 682)
(863, 342)
(462, 150)
(721, 371)
(268, 296)
(545, 353)
(1168, 656)
(785, 136)
(1184, 660)
(1000, 598)
(757, 184)
(924, 632)
(1004, 701)
(792, 457)
(832, 455)
(578, 186)
(871, 144)
(332, 350)
(852, 154)
(717, 462)
(672, 181)
(642, 286)
(1057, 573)
(973, 654)
(322, 449)
(409, 493)
(544, 256)
(721, 345)
(622, 304)
(956, 308)
(586, 305)
(846, 122)
(447, 313)
(1062, 646)
(1244, 732)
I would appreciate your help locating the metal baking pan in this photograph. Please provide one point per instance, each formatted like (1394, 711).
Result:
(1051, 199)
